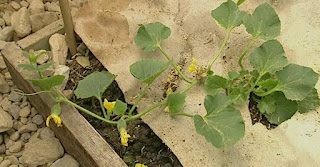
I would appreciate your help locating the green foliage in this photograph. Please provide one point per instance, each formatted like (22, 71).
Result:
(175, 102)
(264, 23)
(94, 85)
(148, 70)
(267, 105)
(238, 95)
(240, 2)
(311, 102)
(119, 108)
(214, 83)
(47, 83)
(34, 68)
(222, 125)
(149, 36)
(56, 109)
(228, 16)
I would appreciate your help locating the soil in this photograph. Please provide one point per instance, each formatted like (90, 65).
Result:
(144, 145)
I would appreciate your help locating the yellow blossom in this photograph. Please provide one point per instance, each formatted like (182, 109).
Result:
(109, 105)
(56, 119)
(194, 61)
(192, 68)
(140, 165)
(169, 91)
(124, 136)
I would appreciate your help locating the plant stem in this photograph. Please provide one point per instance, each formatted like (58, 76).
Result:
(103, 109)
(146, 111)
(139, 98)
(181, 114)
(174, 66)
(87, 111)
(223, 45)
(189, 87)
(266, 93)
(245, 52)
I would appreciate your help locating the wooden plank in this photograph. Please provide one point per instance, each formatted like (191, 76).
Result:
(77, 136)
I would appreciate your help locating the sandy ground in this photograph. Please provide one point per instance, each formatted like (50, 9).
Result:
(108, 28)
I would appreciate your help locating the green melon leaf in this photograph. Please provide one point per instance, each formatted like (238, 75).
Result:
(175, 102)
(264, 23)
(214, 83)
(223, 125)
(238, 95)
(148, 70)
(30, 67)
(94, 85)
(311, 102)
(284, 109)
(268, 58)
(149, 36)
(296, 81)
(228, 16)
(119, 108)
(267, 105)
(233, 75)
(240, 2)
(48, 83)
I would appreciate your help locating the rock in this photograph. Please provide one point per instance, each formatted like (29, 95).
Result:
(6, 122)
(33, 112)
(59, 49)
(2, 46)
(2, 64)
(40, 20)
(82, 48)
(2, 22)
(65, 71)
(42, 152)
(15, 5)
(4, 87)
(2, 149)
(5, 163)
(36, 6)
(24, 4)
(24, 120)
(42, 59)
(66, 160)
(38, 120)
(7, 17)
(83, 61)
(5, 103)
(6, 34)
(52, 7)
(14, 160)
(67, 93)
(21, 22)
(7, 75)
(46, 133)
(25, 137)
(14, 110)
(15, 136)
(24, 112)
(30, 127)
(17, 125)
(13, 166)
(1, 138)
(15, 96)
(16, 147)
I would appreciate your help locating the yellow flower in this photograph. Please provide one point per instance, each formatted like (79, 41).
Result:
(194, 61)
(169, 91)
(192, 68)
(109, 105)
(140, 165)
(56, 119)
(124, 136)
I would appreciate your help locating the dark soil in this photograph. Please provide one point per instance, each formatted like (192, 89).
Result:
(256, 115)
(144, 145)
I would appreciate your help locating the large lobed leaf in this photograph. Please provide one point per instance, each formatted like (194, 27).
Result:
(149, 36)
(175, 102)
(311, 102)
(40, 68)
(94, 85)
(264, 23)
(296, 81)
(119, 108)
(148, 70)
(228, 16)
(269, 57)
(48, 83)
(214, 83)
(284, 108)
(223, 125)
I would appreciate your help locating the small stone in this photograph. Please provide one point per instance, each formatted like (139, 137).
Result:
(23, 104)
(65, 71)
(30, 127)
(42, 152)
(5, 103)
(2, 22)
(15, 136)
(7, 17)
(167, 165)
(33, 112)
(13, 166)
(24, 120)
(7, 75)
(43, 58)
(14, 160)
(17, 125)
(2, 149)
(25, 137)
(2, 64)
(52, 7)
(15, 5)
(83, 61)
(4, 87)
(24, 4)
(46, 133)
(5, 163)
(34, 137)
(6, 122)
(40, 20)
(67, 93)
(36, 6)
(15, 96)
(20, 165)
(82, 48)
(66, 160)
(1, 138)
(16, 147)
(24, 112)
(59, 49)
(20, 21)
(38, 120)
